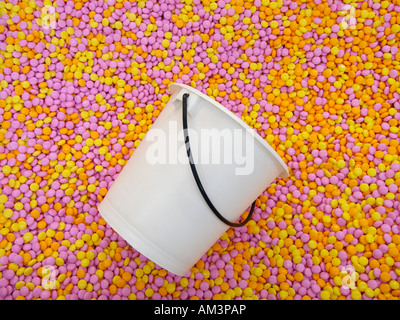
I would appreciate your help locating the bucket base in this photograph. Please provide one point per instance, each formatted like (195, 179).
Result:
(139, 241)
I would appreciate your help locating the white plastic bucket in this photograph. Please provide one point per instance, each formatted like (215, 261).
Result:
(155, 203)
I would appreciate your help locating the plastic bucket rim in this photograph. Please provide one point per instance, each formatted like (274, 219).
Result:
(174, 87)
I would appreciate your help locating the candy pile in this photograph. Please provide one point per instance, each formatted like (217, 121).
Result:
(82, 81)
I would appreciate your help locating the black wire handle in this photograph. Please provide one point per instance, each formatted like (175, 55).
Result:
(196, 176)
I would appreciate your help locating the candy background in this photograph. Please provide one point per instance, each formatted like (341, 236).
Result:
(81, 83)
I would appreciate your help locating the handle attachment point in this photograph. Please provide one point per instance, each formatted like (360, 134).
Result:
(196, 176)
